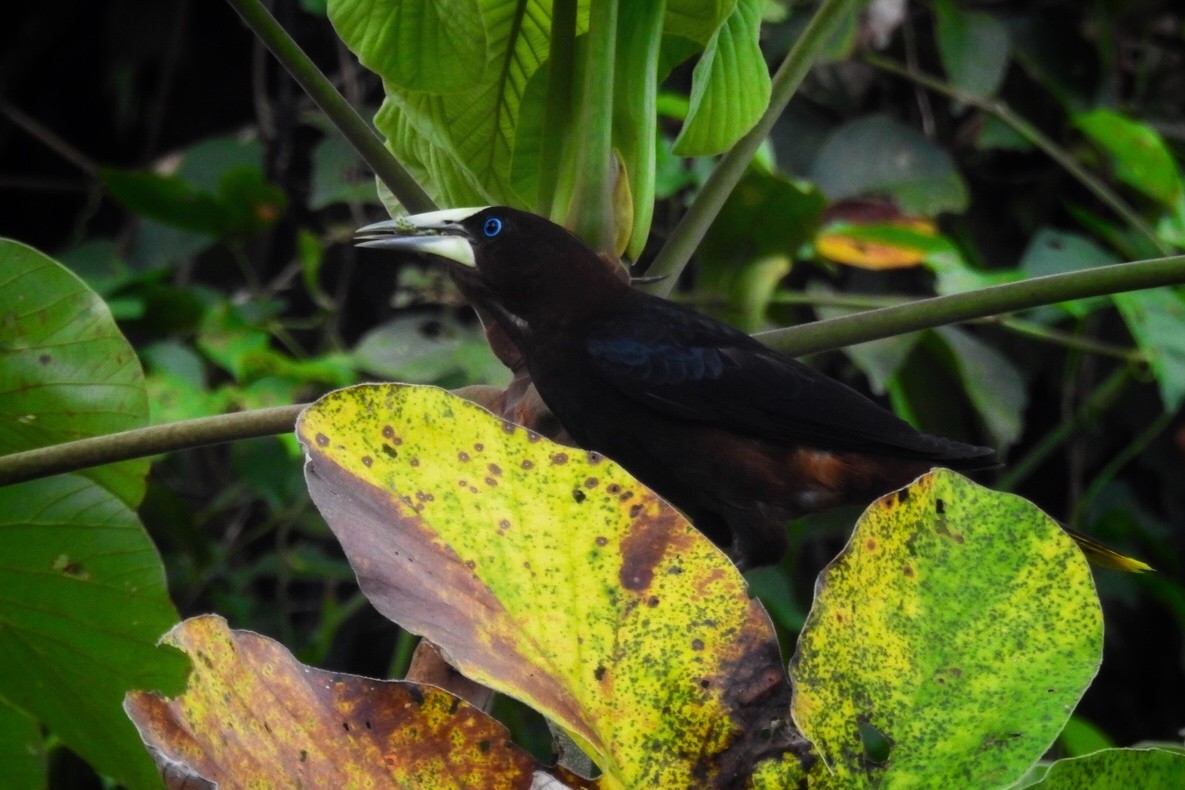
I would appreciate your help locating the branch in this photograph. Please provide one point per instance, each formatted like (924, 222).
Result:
(690, 231)
(344, 117)
(141, 442)
(809, 338)
(1007, 298)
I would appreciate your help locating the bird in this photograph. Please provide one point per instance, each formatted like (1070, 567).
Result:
(739, 437)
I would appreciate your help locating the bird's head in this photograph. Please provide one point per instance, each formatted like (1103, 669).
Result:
(519, 265)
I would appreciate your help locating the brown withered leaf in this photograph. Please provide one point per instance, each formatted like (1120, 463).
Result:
(252, 715)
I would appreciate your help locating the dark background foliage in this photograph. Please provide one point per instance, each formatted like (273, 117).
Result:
(249, 294)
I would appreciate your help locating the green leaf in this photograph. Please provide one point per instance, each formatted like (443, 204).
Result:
(437, 46)
(165, 198)
(992, 383)
(1055, 252)
(22, 750)
(82, 590)
(959, 623)
(973, 46)
(1155, 319)
(82, 603)
(635, 119)
(66, 372)
(1081, 737)
(729, 87)
(879, 156)
(697, 20)
(549, 574)
(462, 144)
(753, 240)
(1138, 153)
(1117, 769)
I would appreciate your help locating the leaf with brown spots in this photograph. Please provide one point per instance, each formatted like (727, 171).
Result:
(957, 631)
(252, 715)
(551, 575)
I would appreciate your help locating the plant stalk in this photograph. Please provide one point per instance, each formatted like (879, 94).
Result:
(333, 104)
(690, 231)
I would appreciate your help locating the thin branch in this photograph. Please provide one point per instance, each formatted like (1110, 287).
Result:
(142, 442)
(998, 299)
(1034, 135)
(687, 235)
(344, 117)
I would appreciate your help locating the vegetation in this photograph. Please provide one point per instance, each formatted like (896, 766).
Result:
(775, 164)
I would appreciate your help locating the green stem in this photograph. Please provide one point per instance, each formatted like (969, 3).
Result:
(557, 114)
(690, 231)
(344, 117)
(1103, 397)
(998, 299)
(590, 215)
(1037, 138)
(142, 442)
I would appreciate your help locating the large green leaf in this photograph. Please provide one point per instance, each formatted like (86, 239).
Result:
(550, 574)
(438, 46)
(82, 592)
(459, 144)
(958, 628)
(730, 86)
(66, 372)
(22, 750)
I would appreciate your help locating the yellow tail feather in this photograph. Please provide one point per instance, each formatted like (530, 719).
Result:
(1105, 556)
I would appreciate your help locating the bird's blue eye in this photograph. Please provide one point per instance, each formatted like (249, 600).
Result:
(492, 227)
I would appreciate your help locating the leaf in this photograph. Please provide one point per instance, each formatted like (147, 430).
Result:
(1080, 737)
(879, 156)
(1054, 252)
(82, 603)
(974, 48)
(82, 590)
(1155, 318)
(992, 383)
(22, 750)
(462, 144)
(961, 624)
(253, 715)
(66, 372)
(898, 244)
(549, 574)
(635, 119)
(1117, 769)
(438, 46)
(729, 87)
(1138, 153)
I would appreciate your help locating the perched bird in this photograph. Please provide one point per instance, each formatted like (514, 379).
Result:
(739, 437)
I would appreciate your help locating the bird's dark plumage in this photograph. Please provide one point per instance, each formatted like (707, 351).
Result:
(738, 436)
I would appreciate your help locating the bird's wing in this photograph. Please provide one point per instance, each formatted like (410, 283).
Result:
(685, 365)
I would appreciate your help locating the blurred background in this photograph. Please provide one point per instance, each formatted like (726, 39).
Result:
(157, 150)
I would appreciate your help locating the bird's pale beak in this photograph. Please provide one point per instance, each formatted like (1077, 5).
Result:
(437, 233)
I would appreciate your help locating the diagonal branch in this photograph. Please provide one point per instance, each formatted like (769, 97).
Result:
(333, 104)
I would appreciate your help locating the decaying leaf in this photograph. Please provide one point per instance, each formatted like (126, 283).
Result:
(949, 642)
(254, 716)
(550, 574)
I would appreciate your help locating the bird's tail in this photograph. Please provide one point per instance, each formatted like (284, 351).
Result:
(1103, 555)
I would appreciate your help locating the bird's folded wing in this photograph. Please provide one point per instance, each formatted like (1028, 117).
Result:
(683, 365)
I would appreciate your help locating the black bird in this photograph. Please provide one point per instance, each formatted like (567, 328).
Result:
(738, 436)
